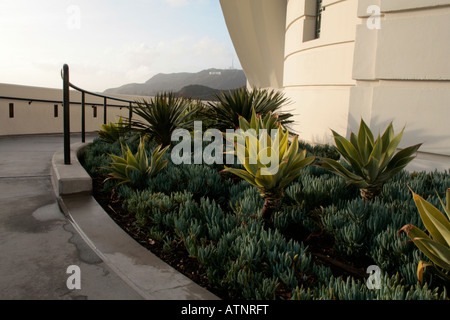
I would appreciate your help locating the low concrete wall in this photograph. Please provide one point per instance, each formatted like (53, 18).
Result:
(70, 179)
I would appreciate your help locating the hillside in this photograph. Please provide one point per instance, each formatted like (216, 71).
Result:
(218, 79)
(196, 91)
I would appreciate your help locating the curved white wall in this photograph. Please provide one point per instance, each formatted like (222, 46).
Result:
(399, 72)
(318, 72)
(257, 32)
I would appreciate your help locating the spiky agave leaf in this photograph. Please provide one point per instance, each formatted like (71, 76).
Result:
(233, 104)
(258, 122)
(160, 116)
(113, 132)
(270, 177)
(373, 161)
(436, 244)
(156, 164)
(131, 167)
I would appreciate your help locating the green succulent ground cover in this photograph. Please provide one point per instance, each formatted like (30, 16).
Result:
(216, 216)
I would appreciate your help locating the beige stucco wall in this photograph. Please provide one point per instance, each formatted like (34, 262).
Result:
(38, 117)
(402, 72)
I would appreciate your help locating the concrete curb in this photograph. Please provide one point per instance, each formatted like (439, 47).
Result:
(70, 179)
(148, 275)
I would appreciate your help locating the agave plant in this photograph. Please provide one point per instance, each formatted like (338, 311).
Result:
(113, 132)
(436, 244)
(257, 122)
(135, 168)
(232, 105)
(162, 115)
(270, 162)
(373, 161)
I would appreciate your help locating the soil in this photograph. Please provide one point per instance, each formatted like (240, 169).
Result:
(319, 245)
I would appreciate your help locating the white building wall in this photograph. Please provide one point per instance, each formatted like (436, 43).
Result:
(402, 73)
(257, 32)
(318, 72)
(399, 72)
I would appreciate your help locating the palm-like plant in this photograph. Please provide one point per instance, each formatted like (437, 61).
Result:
(162, 115)
(232, 105)
(270, 177)
(436, 245)
(135, 169)
(373, 161)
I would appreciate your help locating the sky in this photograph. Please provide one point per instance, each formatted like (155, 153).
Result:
(108, 43)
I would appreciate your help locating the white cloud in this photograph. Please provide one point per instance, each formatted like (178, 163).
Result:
(139, 62)
(103, 52)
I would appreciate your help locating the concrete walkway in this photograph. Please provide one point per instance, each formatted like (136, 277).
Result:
(37, 242)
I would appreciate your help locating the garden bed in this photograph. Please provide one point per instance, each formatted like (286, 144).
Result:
(206, 224)
(320, 245)
(178, 258)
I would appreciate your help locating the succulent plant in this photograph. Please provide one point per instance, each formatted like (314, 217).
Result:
(162, 115)
(270, 161)
(135, 168)
(113, 132)
(436, 244)
(258, 122)
(373, 161)
(244, 260)
(234, 104)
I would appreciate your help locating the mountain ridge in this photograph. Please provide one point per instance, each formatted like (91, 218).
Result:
(216, 79)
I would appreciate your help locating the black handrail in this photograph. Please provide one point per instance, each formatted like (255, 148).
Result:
(66, 103)
(31, 100)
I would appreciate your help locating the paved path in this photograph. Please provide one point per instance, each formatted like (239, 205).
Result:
(37, 242)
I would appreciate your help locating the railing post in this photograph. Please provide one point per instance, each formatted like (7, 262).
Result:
(130, 115)
(66, 104)
(105, 112)
(83, 117)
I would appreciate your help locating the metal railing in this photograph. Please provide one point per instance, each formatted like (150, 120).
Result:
(66, 109)
(32, 100)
